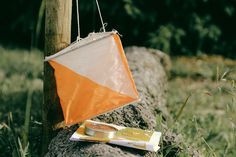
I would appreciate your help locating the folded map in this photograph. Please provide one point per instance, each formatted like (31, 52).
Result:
(124, 136)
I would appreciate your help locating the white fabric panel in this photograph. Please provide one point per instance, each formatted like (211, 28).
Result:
(101, 62)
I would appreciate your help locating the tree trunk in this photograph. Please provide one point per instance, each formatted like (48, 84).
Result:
(57, 37)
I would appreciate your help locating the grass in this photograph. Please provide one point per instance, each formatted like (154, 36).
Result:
(201, 103)
(20, 98)
(207, 122)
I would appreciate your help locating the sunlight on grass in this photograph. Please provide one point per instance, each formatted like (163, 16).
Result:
(208, 121)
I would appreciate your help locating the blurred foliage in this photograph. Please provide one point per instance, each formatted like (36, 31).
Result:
(204, 67)
(176, 27)
(20, 74)
(166, 37)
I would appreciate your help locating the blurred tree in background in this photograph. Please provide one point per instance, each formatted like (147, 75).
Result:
(177, 27)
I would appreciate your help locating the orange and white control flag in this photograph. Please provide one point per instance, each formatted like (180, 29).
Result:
(92, 77)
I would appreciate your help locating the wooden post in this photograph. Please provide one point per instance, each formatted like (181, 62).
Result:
(57, 37)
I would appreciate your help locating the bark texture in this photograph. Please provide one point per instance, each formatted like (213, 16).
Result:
(150, 77)
(57, 37)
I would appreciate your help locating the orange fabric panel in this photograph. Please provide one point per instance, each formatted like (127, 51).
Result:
(81, 98)
(124, 60)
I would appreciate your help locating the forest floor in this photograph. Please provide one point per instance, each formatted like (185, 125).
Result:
(201, 104)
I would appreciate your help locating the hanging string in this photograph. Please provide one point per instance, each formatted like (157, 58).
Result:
(78, 24)
(100, 15)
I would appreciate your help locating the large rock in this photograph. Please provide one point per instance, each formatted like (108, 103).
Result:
(150, 77)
